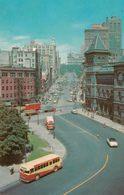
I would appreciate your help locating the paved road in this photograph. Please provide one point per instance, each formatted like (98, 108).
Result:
(85, 156)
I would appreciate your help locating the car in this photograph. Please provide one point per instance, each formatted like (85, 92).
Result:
(55, 101)
(45, 102)
(112, 142)
(74, 111)
(70, 100)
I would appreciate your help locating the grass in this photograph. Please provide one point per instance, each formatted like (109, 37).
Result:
(38, 144)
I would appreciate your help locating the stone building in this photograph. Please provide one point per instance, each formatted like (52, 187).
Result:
(119, 91)
(104, 82)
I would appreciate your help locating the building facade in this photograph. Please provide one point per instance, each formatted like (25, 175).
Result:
(76, 58)
(119, 91)
(96, 29)
(17, 84)
(114, 37)
(103, 82)
(46, 50)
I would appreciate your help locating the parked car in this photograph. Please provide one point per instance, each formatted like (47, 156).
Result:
(112, 142)
(74, 111)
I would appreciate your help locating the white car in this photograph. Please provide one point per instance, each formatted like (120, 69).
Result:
(112, 142)
(55, 101)
(74, 111)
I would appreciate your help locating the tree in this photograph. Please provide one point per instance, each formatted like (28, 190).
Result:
(13, 132)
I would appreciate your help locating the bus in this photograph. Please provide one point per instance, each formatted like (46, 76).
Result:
(37, 168)
(50, 123)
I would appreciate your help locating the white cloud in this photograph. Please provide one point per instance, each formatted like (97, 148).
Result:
(81, 25)
(21, 37)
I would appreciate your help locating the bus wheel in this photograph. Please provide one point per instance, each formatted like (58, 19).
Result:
(55, 169)
(37, 177)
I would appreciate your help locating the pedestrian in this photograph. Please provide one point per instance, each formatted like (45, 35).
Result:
(104, 125)
(97, 136)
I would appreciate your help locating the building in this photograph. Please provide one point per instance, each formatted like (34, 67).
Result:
(17, 84)
(103, 82)
(119, 91)
(96, 29)
(96, 56)
(76, 58)
(46, 51)
(111, 34)
(114, 37)
(4, 58)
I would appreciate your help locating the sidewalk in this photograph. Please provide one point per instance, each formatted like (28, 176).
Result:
(102, 120)
(55, 145)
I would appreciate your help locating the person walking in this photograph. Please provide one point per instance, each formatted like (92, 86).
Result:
(104, 125)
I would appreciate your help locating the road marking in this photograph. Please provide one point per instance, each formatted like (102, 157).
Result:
(80, 128)
(90, 177)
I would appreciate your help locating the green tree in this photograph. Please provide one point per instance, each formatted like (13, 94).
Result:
(13, 132)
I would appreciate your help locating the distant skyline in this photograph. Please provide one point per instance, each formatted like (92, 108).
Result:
(25, 20)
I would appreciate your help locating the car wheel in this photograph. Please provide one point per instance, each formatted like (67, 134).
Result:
(55, 169)
(37, 177)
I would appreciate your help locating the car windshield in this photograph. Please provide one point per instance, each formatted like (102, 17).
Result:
(112, 139)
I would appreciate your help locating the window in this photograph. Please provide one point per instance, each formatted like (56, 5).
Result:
(2, 95)
(3, 88)
(7, 95)
(12, 74)
(32, 170)
(7, 81)
(7, 88)
(10, 87)
(4, 74)
(2, 81)
(36, 168)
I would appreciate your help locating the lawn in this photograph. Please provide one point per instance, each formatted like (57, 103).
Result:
(38, 144)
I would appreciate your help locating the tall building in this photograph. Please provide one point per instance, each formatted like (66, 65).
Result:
(46, 51)
(96, 29)
(114, 36)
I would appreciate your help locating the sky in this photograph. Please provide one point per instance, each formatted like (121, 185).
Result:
(22, 21)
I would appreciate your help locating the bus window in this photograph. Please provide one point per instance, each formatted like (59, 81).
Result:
(50, 162)
(39, 168)
(36, 168)
(32, 170)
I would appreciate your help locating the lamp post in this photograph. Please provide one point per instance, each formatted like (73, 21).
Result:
(38, 118)
(25, 146)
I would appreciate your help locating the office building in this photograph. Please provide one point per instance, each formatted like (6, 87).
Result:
(114, 36)
(96, 29)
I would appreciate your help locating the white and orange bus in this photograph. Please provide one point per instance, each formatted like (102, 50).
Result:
(37, 168)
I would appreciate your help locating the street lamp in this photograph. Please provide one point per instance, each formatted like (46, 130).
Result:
(38, 118)
(54, 121)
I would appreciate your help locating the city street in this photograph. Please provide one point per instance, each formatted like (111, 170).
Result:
(90, 166)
